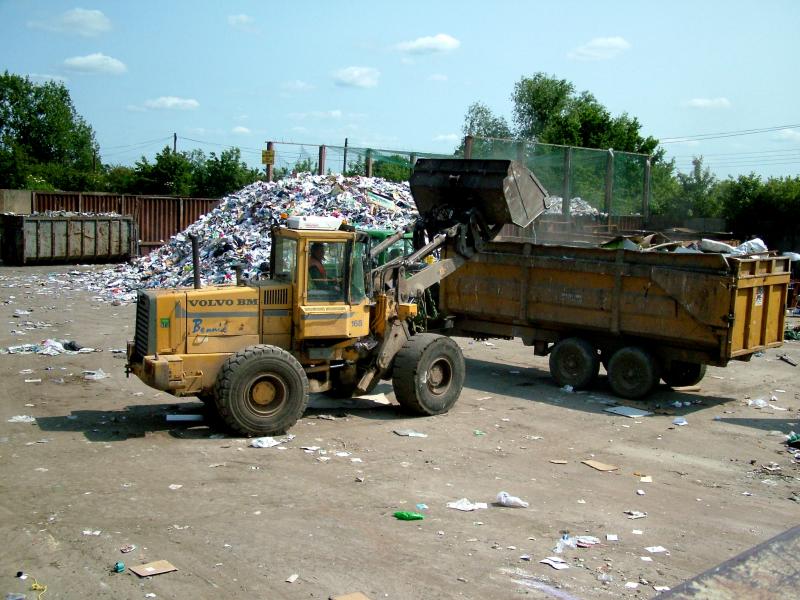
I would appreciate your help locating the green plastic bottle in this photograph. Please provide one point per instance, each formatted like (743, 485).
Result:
(404, 515)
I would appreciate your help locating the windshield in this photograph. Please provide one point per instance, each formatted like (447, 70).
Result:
(285, 253)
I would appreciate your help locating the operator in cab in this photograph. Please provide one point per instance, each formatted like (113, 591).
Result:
(316, 270)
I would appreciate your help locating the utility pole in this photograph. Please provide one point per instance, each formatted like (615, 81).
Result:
(174, 143)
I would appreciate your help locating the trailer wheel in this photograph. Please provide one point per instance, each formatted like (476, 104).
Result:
(428, 374)
(680, 373)
(261, 390)
(632, 372)
(574, 361)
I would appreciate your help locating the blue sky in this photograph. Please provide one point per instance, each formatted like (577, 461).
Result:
(400, 75)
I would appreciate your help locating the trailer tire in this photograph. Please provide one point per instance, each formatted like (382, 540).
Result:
(632, 372)
(574, 361)
(680, 373)
(261, 390)
(428, 374)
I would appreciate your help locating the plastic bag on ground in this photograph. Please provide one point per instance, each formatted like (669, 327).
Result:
(505, 499)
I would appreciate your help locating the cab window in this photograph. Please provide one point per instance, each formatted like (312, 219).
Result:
(285, 253)
(358, 281)
(326, 262)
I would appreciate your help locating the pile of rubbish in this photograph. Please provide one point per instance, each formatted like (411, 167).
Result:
(237, 231)
(49, 348)
(577, 206)
(658, 242)
(73, 213)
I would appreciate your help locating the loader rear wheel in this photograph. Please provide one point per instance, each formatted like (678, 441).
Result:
(632, 372)
(680, 373)
(574, 361)
(428, 374)
(261, 390)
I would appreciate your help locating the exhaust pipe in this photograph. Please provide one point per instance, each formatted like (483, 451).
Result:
(195, 260)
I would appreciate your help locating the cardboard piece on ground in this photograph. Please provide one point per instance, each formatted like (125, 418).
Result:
(157, 567)
(628, 411)
(688, 388)
(353, 596)
(596, 464)
(557, 461)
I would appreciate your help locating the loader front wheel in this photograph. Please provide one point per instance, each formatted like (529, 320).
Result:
(680, 373)
(574, 361)
(632, 372)
(428, 374)
(261, 390)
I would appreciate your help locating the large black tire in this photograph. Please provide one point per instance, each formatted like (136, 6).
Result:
(680, 373)
(574, 361)
(632, 372)
(209, 399)
(428, 374)
(261, 390)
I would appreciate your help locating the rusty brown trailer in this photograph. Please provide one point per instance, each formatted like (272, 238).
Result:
(677, 309)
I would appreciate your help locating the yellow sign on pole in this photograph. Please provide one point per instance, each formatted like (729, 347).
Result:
(268, 157)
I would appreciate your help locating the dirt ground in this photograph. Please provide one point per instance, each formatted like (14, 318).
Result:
(101, 457)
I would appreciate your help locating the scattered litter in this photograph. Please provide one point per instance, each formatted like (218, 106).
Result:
(637, 532)
(269, 442)
(661, 588)
(95, 375)
(526, 557)
(612, 537)
(33, 381)
(680, 421)
(94, 532)
(157, 567)
(404, 515)
(127, 548)
(422, 506)
(478, 432)
(119, 567)
(465, 505)
(555, 562)
(787, 359)
(557, 461)
(342, 454)
(504, 499)
(628, 411)
(182, 417)
(656, 549)
(292, 578)
(175, 486)
(646, 479)
(599, 466)
(646, 558)
(635, 514)
(640, 492)
(22, 419)
(568, 389)
(631, 585)
(758, 403)
(410, 433)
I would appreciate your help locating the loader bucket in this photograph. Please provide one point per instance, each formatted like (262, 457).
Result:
(503, 191)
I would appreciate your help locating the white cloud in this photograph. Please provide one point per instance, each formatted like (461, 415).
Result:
(602, 48)
(296, 85)
(44, 77)
(317, 114)
(80, 21)
(447, 137)
(363, 77)
(788, 134)
(172, 103)
(239, 130)
(95, 63)
(441, 42)
(437, 77)
(242, 22)
(708, 103)
(135, 108)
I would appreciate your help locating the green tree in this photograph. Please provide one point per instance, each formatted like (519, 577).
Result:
(42, 137)
(393, 168)
(170, 174)
(220, 175)
(491, 133)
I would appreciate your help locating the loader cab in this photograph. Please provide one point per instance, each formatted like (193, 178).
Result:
(329, 275)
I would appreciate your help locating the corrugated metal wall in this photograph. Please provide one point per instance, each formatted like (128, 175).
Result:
(158, 217)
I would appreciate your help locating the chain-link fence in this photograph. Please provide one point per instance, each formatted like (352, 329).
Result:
(598, 182)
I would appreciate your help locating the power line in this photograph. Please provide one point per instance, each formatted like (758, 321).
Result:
(161, 139)
(724, 134)
(704, 155)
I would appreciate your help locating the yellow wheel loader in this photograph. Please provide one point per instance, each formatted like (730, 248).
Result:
(330, 318)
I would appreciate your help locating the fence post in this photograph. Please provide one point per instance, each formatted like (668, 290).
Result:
(270, 167)
(646, 191)
(412, 158)
(369, 162)
(520, 151)
(344, 160)
(468, 141)
(321, 164)
(80, 201)
(565, 189)
(609, 180)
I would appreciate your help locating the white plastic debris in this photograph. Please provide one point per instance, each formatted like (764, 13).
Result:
(410, 433)
(465, 505)
(269, 442)
(680, 421)
(505, 499)
(95, 375)
(22, 419)
(556, 562)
